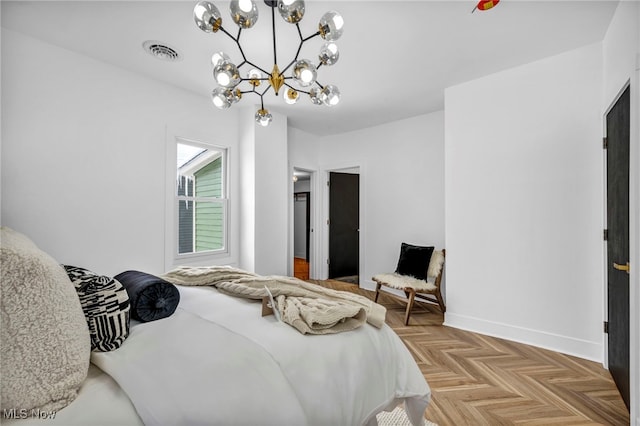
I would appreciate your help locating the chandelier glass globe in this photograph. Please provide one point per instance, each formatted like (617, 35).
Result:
(304, 73)
(314, 95)
(221, 97)
(291, 11)
(207, 17)
(244, 13)
(329, 54)
(254, 75)
(330, 95)
(226, 74)
(331, 25)
(263, 117)
(219, 57)
(236, 95)
(291, 97)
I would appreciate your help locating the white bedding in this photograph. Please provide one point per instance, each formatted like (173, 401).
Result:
(217, 361)
(100, 401)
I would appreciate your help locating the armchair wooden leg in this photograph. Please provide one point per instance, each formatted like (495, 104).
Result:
(443, 308)
(377, 292)
(412, 296)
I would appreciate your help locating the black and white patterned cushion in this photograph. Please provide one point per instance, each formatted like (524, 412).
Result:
(105, 303)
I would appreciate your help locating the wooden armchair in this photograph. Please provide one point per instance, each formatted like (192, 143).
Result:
(416, 289)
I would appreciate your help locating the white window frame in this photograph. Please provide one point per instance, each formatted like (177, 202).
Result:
(195, 257)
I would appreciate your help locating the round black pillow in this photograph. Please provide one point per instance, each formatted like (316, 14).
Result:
(151, 297)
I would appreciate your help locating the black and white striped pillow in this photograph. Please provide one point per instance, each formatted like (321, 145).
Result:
(105, 303)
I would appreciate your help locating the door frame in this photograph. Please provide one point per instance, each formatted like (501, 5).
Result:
(634, 245)
(343, 168)
(340, 224)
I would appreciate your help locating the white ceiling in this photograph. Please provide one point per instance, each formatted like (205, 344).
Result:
(396, 57)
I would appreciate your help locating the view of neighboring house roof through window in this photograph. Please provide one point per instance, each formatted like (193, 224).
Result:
(186, 153)
(192, 158)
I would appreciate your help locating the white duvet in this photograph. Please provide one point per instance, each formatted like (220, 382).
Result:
(217, 361)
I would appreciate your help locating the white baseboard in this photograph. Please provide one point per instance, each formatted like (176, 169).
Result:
(368, 285)
(592, 351)
(568, 345)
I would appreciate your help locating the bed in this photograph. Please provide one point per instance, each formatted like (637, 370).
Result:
(217, 360)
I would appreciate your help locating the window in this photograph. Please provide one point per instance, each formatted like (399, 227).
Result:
(201, 199)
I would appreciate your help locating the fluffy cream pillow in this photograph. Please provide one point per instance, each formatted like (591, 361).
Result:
(45, 339)
(435, 264)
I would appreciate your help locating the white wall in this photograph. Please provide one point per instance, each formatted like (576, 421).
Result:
(303, 149)
(247, 213)
(83, 155)
(401, 187)
(272, 198)
(264, 195)
(523, 185)
(621, 53)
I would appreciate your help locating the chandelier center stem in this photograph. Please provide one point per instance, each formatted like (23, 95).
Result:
(276, 79)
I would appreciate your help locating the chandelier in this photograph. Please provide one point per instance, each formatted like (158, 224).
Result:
(302, 72)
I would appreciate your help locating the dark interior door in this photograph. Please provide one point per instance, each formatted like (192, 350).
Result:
(618, 128)
(344, 224)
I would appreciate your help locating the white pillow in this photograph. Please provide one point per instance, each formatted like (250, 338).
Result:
(45, 339)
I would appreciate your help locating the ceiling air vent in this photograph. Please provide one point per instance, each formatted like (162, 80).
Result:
(161, 51)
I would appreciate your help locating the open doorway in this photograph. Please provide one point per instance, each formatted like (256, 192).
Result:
(302, 196)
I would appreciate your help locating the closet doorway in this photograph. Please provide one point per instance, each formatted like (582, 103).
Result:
(302, 230)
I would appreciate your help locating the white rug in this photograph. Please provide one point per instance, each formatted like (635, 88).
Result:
(397, 417)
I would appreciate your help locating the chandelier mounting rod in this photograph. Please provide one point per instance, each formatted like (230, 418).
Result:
(273, 29)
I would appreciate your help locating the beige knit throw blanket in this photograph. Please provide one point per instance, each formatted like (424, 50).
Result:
(309, 308)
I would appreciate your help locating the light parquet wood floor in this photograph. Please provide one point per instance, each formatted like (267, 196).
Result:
(481, 380)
